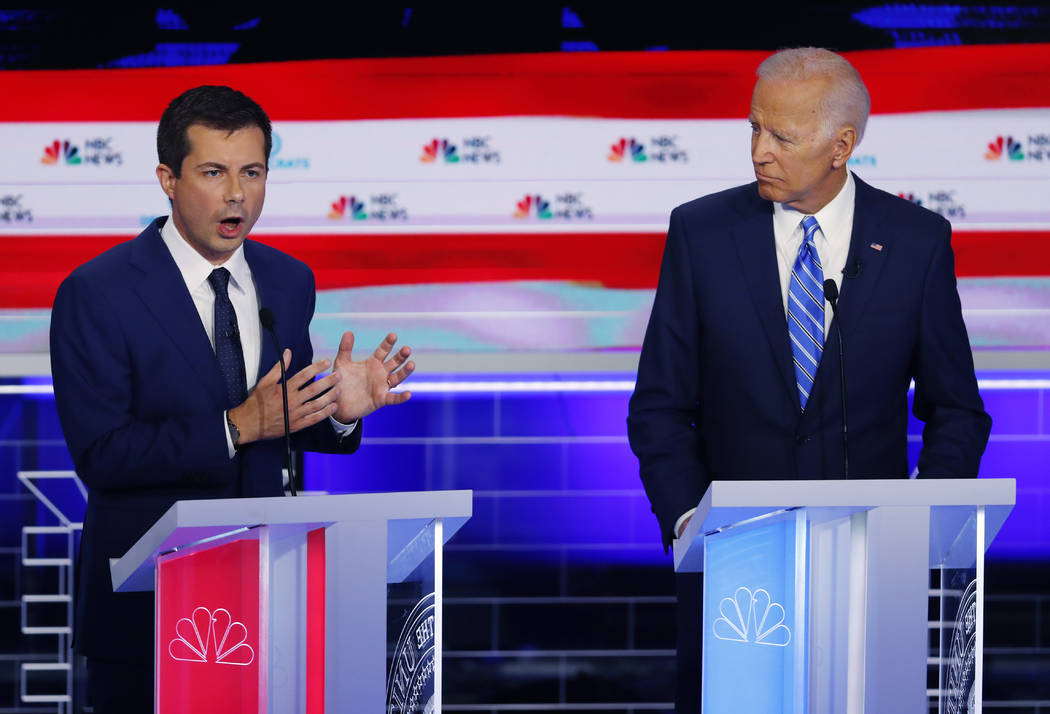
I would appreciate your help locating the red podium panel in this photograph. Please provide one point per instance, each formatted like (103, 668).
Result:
(297, 605)
(211, 633)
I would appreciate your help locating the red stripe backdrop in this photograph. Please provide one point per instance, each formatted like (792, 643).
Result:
(642, 85)
(34, 266)
(630, 85)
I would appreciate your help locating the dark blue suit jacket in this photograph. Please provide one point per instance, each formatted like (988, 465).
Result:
(140, 399)
(716, 395)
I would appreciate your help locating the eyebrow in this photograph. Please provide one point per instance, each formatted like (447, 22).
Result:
(773, 130)
(224, 167)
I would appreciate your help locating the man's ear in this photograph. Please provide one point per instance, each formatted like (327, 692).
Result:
(167, 179)
(844, 142)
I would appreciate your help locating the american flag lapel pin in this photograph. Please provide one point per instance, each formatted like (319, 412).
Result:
(876, 246)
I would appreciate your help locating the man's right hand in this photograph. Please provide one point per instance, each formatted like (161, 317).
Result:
(261, 416)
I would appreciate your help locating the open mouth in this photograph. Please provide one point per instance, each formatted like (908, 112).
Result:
(230, 226)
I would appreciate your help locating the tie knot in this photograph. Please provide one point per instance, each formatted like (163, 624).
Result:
(810, 228)
(219, 279)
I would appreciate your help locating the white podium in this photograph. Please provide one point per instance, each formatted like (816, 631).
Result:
(831, 597)
(298, 605)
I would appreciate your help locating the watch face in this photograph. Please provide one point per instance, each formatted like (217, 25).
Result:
(235, 433)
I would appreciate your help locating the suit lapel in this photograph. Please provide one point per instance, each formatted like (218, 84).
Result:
(163, 291)
(856, 291)
(868, 249)
(267, 289)
(753, 237)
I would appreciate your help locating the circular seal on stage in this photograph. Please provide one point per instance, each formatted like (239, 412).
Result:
(410, 686)
(959, 683)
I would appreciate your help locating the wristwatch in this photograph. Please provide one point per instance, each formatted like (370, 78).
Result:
(235, 433)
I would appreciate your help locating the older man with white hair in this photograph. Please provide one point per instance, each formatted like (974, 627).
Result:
(733, 382)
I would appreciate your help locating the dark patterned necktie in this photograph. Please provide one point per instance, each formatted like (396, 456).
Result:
(228, 340)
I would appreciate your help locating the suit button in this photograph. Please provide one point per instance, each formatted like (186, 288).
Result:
(801, 439)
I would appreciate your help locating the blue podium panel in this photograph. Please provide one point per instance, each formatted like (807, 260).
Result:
(754, 641)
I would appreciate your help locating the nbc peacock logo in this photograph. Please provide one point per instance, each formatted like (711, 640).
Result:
(345, 205)
(627, 149)
(61, 152)
(1001, 146)
(533, 205)
(439, 150)
(752, 617)
(211, 637)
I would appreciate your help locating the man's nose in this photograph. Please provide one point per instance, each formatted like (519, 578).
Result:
(761, 148)
(234, 190)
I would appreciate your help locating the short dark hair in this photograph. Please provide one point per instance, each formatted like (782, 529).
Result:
(214, 107)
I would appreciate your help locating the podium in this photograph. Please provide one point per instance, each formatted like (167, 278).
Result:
(831, 597)
(297, 605)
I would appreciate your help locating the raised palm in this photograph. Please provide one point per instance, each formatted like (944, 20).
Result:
(365, 386)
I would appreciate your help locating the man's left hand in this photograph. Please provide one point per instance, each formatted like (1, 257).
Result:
(365, 386)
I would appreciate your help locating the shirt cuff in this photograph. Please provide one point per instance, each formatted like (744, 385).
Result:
(341, 429)
(681, 519)
(230, 449)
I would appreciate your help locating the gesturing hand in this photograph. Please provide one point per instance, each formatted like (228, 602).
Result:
(261, 416)
(365, 386)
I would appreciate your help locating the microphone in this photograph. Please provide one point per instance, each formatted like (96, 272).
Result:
(831, 294)
(268, 322)
(851, 270)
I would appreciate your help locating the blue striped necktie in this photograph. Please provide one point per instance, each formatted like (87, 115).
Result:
(806, 311)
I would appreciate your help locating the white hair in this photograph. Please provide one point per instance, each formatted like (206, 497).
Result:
(845, 103)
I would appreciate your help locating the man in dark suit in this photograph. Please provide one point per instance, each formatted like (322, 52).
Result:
(731, 381)
(165, 385)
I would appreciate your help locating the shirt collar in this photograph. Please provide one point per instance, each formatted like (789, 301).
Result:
(195, 268)
(835, 219)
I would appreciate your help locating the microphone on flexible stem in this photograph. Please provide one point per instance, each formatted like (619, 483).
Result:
(267, 320)
(831, 294)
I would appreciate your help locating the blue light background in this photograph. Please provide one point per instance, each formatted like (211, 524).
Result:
(552, 473)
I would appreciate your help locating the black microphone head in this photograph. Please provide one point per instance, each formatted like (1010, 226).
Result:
(831, 290)
(266, 318)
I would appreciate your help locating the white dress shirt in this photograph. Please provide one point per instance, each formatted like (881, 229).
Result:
(832, 240)
(195, 270)
(832, 243)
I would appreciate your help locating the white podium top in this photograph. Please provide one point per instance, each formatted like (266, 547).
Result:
(727, 503)
(189, 523)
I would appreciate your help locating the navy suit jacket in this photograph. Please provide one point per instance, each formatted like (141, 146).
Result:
(716, 395)
(140, 399)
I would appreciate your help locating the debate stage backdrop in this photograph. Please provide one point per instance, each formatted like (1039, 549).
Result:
(515, 203)
(506, 216)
